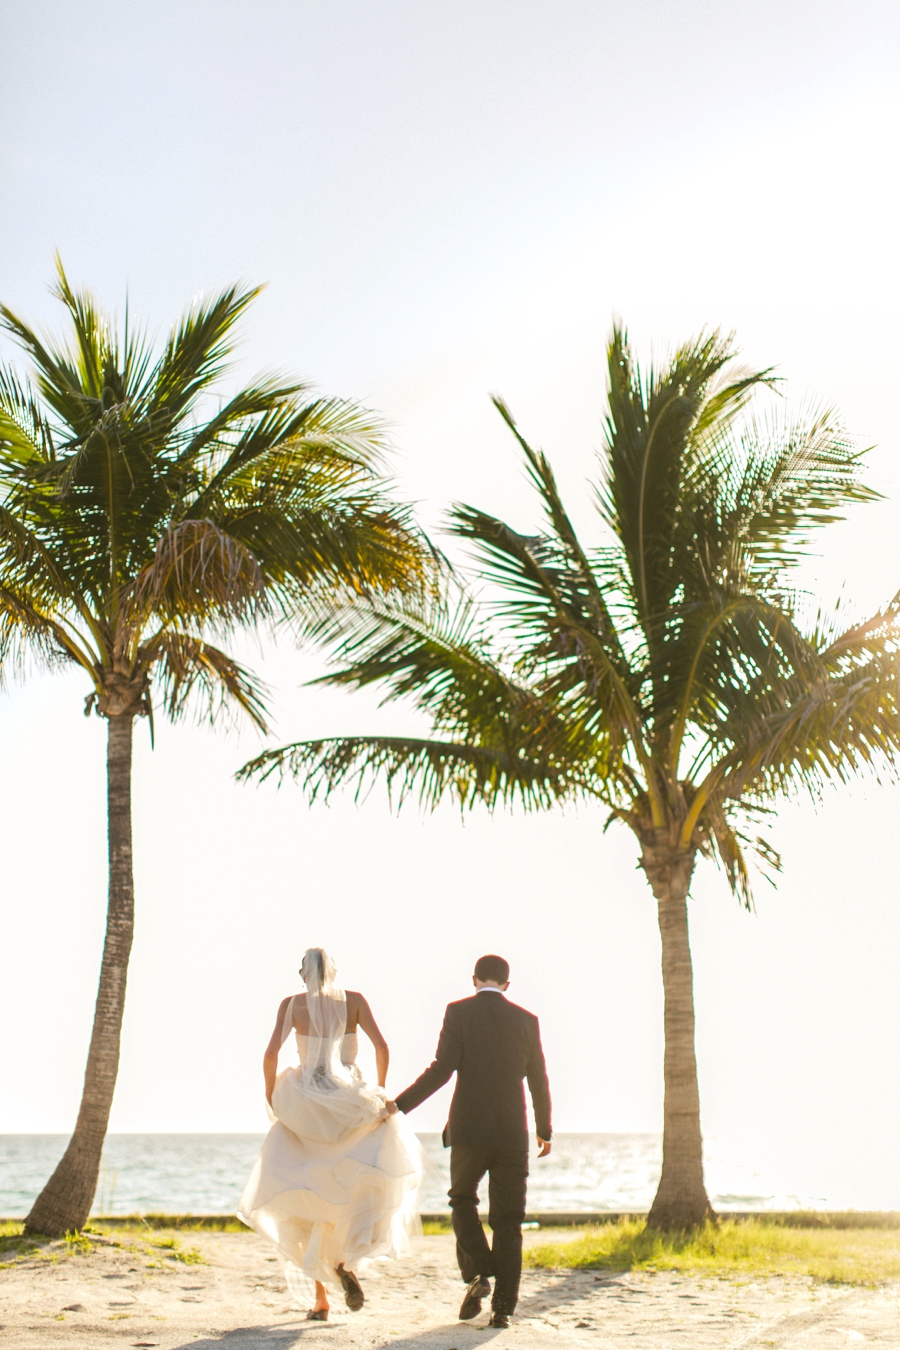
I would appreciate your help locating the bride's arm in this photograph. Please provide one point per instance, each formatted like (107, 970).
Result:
(270, 1058)
(370, 1027)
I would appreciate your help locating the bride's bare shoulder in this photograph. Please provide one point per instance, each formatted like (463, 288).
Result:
(356, 1004)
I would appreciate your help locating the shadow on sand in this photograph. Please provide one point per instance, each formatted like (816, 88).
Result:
(453, 1336)
(564, 1288)
(253, 1338)
(561, 1291)
(555, 1296)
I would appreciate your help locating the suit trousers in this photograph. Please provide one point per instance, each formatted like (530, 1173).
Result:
(507, 1170)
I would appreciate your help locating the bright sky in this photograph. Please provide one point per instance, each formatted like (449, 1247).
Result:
(447, 200)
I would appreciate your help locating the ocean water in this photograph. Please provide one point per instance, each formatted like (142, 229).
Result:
(205, 1174)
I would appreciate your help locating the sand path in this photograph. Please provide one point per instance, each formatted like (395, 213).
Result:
(137, 1295)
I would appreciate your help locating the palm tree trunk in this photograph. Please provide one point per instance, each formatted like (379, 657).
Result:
(681, 1201)
(65, 1202)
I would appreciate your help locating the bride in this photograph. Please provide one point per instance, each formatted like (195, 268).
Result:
(337, 1180)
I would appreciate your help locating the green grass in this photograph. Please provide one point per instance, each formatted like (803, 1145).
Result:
(846, 1248)
(840, 1255)
(138, 1238)
(183, 1223)
(834, 1218)
(189, 1256)
(12, 1243)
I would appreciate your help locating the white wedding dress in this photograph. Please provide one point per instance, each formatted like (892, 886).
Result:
(336, 1181)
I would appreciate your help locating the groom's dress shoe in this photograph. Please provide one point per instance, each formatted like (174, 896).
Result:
(471, 1304)
(499, 1320)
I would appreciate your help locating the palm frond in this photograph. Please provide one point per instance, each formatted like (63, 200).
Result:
(247, 425)
(28, 563)
(728, 395)
(431, 647)
(731, 845)
(305, 534)
(26, 634)
(822, 731)
(96, 353)
(751, 502)
(564, 625)
(730, 652)
(56, 373)
(338, 426)
(196, 353)
(200, 573)
(876, 636)
(433, 771)
(25, 434)
(193, 673)
(564, 566)
(647, 441)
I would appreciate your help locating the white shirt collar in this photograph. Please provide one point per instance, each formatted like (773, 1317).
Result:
(488, 989)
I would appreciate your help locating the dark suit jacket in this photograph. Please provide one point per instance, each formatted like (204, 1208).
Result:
(491, 1045)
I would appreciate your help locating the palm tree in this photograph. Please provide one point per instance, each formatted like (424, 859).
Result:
(141, 523)
(669, 672)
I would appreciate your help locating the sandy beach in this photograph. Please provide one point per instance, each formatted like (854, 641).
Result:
(231, 1292)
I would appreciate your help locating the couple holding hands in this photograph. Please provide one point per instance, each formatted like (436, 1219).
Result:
(337, 1180)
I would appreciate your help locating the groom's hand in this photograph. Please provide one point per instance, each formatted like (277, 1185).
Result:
(392, 1108)
(544, 1147)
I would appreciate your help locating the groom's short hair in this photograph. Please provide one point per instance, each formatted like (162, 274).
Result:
(492, 968)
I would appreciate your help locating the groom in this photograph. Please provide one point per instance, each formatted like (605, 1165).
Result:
(492, 1045)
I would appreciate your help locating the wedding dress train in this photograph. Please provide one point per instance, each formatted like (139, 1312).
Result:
(336, 1182)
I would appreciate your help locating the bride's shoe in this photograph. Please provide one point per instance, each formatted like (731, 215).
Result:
(353, 1294)
(317, 1315)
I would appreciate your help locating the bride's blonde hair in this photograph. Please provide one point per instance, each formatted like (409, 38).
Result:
(317, 968)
